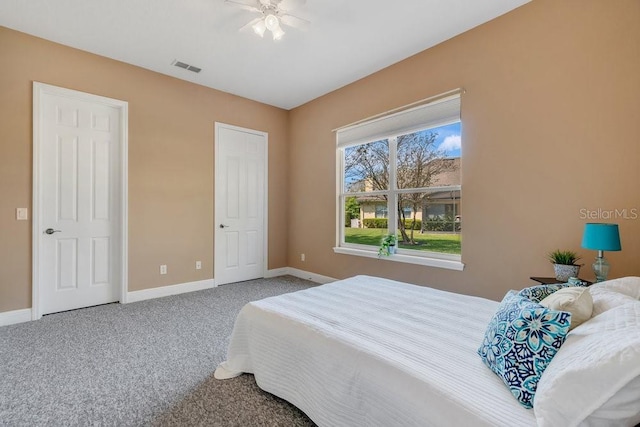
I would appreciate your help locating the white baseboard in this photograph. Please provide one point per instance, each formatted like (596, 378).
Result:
(24, 315)
(165, 291)
(317, 278)
(277, 272)
(15, 316)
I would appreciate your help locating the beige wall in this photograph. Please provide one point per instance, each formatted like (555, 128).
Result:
(552, 104)
(171, 145)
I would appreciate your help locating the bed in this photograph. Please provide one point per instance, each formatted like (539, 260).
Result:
(368, 351)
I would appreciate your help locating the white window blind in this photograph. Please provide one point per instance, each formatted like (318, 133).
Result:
(437, 113)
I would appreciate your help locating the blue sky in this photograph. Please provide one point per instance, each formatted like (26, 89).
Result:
(449, 139)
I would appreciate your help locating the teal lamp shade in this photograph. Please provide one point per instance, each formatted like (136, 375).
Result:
(601, 237)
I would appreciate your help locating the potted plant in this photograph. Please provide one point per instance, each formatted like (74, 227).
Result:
(387, 245)
(564, 264)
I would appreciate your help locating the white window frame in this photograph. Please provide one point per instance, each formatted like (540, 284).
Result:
(440, 112)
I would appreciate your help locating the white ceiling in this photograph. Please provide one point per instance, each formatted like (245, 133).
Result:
(347, 39)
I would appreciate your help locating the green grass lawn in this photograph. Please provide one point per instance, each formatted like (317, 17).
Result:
(444, 243)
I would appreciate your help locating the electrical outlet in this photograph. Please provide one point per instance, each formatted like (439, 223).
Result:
(302, 257)
(163, 269)
(198, 265)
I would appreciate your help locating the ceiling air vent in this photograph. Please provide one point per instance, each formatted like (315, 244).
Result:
(186, 66)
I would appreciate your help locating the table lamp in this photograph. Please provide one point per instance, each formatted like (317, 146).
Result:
(601, 237)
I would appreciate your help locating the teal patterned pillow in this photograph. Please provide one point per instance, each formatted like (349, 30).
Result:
(539, 292)
(520, 341)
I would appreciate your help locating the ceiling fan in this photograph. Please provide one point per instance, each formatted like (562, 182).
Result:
(272, 14)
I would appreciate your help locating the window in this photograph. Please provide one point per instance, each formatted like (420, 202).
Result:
(400, 174)
(381, 211)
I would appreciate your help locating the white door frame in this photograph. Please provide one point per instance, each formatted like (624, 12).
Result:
(265, 207)
(40, 89)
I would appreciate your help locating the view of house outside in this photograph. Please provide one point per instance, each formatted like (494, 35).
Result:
(423, 185)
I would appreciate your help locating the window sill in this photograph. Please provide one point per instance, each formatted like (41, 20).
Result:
(408, 259)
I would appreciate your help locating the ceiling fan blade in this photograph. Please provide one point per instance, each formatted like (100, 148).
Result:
(249, 24)
(244, 6)
(289, 4)
(294, 21)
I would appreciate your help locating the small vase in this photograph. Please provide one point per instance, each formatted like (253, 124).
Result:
(563, 272)
(392, 249)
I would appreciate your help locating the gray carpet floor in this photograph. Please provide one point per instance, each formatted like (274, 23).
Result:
(145, 363)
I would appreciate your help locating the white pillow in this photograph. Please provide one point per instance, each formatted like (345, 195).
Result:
(595, 369)
(626, 285)
(605, 299)
(576, 300)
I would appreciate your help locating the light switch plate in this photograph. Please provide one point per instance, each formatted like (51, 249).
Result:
(22, 214)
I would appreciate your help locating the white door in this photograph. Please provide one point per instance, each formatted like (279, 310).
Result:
(240, 204)
(78, 223)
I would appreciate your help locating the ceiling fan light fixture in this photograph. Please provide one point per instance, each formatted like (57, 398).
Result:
(278, 33)
(271, 22)
(259, 27)
(271, 17)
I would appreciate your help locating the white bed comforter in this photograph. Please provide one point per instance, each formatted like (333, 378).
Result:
(367, 351)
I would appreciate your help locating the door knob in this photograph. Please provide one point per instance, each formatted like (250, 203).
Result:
(51, 231)
(223, 226)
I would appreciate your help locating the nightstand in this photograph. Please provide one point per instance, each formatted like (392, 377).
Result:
(552, 280)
